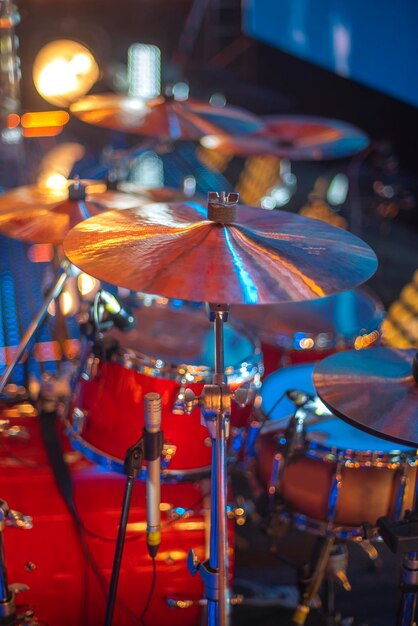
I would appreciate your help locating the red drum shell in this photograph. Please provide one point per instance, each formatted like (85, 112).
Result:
(49, 559)
(111, 401)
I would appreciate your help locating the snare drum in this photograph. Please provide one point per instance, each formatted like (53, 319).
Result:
(49, 557)
(308, 331)
(169, 349)
(345, 476)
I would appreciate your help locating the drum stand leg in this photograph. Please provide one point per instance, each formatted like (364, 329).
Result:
(36, 323)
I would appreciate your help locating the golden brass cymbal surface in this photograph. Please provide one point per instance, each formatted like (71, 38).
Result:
(260, 257)
(164, 118)
(374, 390)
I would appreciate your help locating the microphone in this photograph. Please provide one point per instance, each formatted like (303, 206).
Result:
(122, 318)
(298, 397)
(153, 445)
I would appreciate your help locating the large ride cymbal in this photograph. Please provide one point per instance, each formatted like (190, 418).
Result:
(40, 215)
(374, 390)
(257, 257)
(295, 137)
(164, 118)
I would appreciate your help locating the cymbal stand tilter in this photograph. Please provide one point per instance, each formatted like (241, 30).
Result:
(66, 270)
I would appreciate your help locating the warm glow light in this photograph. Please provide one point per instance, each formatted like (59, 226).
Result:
(45, 118)
(87, 284)
(55, 181)
(13, 120)
(66, 303)
(63, 71)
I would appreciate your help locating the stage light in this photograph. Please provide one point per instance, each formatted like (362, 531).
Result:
(144, 71)
(63, 71)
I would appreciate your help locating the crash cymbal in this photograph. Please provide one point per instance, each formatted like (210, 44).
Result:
(294, 137)
(375, 390)
(305, 138)
(254, 256)
(164, 118)
(37, 215)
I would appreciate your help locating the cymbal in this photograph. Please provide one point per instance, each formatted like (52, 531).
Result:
(39, 215)
(294, 137)
(374, 390)
(305, 138)
(256, 257)
(164, 118)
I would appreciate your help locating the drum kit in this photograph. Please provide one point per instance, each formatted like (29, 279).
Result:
(265, 272)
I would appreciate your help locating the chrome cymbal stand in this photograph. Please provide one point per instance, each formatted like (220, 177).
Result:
(66, 270)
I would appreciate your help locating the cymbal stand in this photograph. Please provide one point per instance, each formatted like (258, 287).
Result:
(66, 269)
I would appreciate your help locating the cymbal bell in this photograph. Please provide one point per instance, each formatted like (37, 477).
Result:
(298, 138)
(375, 390)
(238, 255)
(38, 215)
(187, 120)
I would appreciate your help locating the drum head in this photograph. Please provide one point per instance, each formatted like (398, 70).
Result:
(183, 335)
(322, 427)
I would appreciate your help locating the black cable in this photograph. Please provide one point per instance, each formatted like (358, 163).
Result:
(151, 591)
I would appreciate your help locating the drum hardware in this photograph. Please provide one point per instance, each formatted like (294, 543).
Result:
(149, 447)
(181, 603)
(232, 247)
(8, 592)
(15, 431)
(402, 538)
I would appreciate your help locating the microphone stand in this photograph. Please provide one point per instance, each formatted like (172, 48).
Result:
(133, 468)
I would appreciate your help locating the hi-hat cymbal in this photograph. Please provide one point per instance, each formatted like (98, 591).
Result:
(164, 118)
(294, 137)
(374, 390)
(40, 215)
(256, 257)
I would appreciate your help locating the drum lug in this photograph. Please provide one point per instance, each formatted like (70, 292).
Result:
(15, 432)
(181, 603)
(91, 368)
(169, 450)
(78, 421)
(10, 517)
(179, 407)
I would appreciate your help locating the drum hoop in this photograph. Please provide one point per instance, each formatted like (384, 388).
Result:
(320, 528)
(113, 464)
(354, 458)
(184, 373)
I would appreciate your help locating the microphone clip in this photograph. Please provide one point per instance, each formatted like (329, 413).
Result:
(153, 444)
(132, 465)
